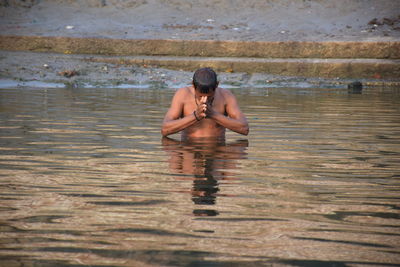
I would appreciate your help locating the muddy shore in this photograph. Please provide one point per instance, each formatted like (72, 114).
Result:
(28, 69)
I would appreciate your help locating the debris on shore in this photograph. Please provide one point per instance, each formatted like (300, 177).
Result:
(68, 73)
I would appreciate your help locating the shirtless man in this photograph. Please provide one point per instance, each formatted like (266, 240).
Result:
(204, 109)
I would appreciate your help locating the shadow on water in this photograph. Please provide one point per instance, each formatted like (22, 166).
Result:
(208, 162)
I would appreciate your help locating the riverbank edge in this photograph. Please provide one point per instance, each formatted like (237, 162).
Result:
(378, 63)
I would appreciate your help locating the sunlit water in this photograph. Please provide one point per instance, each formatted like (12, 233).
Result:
(86, 179)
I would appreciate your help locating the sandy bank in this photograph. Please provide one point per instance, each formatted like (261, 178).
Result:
(252, 20)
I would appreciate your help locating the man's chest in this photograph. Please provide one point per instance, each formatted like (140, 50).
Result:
(216, 105)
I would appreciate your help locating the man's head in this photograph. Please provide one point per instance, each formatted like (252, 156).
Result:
(205, 80)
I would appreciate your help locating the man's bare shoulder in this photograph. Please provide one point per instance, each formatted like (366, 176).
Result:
(227, 94)
(182, 93)
(225, 91)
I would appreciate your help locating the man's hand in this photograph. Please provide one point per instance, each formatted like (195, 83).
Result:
(210, 112)
(201, 111)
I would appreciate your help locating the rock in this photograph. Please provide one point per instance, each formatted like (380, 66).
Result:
(388, 21)
(68, 73)
(373, 21)
(355, 87)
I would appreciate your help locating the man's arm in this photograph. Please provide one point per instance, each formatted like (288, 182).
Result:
(173, 122)
(235, 121)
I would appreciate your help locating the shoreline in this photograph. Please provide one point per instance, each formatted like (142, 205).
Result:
(50, 70)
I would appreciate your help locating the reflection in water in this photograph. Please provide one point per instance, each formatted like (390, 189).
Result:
(85, 180)
(208, 161)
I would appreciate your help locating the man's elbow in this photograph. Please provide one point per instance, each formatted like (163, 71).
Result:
(164, 132)
(245, 130)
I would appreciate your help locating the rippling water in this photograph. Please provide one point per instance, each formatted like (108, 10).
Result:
(86, 179)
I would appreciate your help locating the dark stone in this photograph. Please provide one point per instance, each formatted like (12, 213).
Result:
(355, 87)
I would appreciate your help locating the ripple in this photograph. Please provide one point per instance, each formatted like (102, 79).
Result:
(87, 180)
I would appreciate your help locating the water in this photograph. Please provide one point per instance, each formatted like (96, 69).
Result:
(87, 180)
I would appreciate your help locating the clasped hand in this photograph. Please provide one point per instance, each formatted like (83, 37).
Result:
(204, 108)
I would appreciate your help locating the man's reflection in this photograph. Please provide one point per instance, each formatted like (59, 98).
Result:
(209, 161)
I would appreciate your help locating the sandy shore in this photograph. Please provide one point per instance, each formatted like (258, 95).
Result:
(252, 20)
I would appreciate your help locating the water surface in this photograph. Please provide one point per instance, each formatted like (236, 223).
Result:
(86, 179)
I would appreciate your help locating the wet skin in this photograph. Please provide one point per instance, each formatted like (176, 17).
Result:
(199, 114)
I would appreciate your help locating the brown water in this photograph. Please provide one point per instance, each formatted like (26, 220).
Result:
(87, 180)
